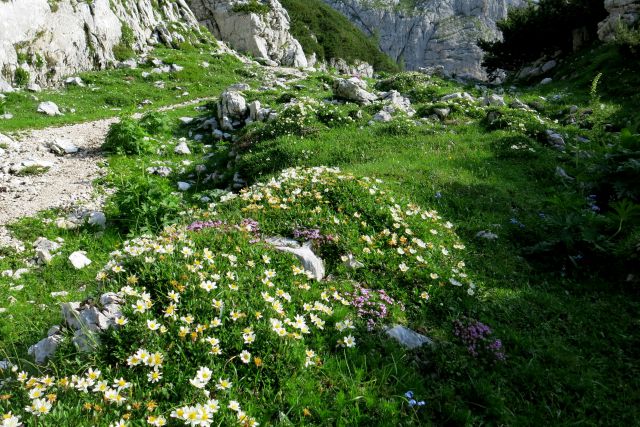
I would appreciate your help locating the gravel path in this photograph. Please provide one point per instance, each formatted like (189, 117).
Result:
(68, 182)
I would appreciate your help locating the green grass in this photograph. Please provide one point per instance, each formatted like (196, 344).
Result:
(570, 338)
(108, 93)
(327, 33)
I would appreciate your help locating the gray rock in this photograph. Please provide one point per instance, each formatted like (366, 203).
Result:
(548, 66)
(435, 34)
(487, 235)
(182, 148)
(5, 87)
(79, 260)
(382, 116)
(494, 100)
(81, 36)
(71, 314)
(45, 348)
(86, 341)
(310, 261)
(265, 36)
(546, 81)
(49, 108)
(34, 87)
(46, 244)
(239, 87)
(110, 298)
(458, 95)
(353, 90)
(185, 120)
(407, 338)
(555, 139)
(62, 146)
(97, 219)
(163, 171)
(92, 316)
(442, 113)
(621, 12)
(232, 105)
(74, 81)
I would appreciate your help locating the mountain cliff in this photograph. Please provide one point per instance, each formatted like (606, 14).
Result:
(48, 40)
(427, 33)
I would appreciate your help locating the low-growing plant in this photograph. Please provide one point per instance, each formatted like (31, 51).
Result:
(144, 203)
(127, 136)
(252, 6)
(156, 123)
(21, 77)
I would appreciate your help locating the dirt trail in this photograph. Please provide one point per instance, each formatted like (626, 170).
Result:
(68, 182)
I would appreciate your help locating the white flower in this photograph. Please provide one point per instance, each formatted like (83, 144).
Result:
(245, 356)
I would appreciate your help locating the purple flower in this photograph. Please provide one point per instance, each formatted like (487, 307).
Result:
(200, 225)
(409, 394)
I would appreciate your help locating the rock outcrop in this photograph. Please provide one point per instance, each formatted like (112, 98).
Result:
(266, 36)
(52, 40)
(441, 32)
(626, 12)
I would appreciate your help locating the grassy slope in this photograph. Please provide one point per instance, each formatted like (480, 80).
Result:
(113, 91)
(570, 343)
(322, 30)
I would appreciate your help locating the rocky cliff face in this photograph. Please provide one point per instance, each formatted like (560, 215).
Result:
(51, 40)
(625, 12)
(437, 32)
(264, 35)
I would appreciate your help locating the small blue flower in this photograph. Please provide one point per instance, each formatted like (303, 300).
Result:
(409, 394)
(412, 403)
(421, 403)
(438, 195)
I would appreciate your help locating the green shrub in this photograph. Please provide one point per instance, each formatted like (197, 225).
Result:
(144, 203)
(124, 50)
(252, 6)
(334, 116)
(21, 77)
(127, 137)
(156, 123)
(628, 40)
(329, 34)
(539, 29)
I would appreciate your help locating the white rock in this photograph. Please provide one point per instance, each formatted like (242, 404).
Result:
(407, 338)
(352, 263)
(86, 341)
(79, 260)
(34, 87)
(74, 81)
(49, 108)
(185, 120)
(265, 36)
(182, 148)
(98, 219)
(310, 261)
(353, 90)
(546, 81)
(488, 235)
(62, 146)
(548, 66)
(494, 100)
(59, 294)
(110, 298)
(382, 116)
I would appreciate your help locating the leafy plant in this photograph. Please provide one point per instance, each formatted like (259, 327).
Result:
(252, 6)
(21, 77)
(144, 203)
(127, 137)
(156, 123)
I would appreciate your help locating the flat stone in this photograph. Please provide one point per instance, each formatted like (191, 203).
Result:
(310, 261)
(408, 338)
(45, 348)
(62, 146)
(97, 218)
(79, 260)
(49, 108)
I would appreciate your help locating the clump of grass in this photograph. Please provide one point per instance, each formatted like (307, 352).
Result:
(34, 170)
